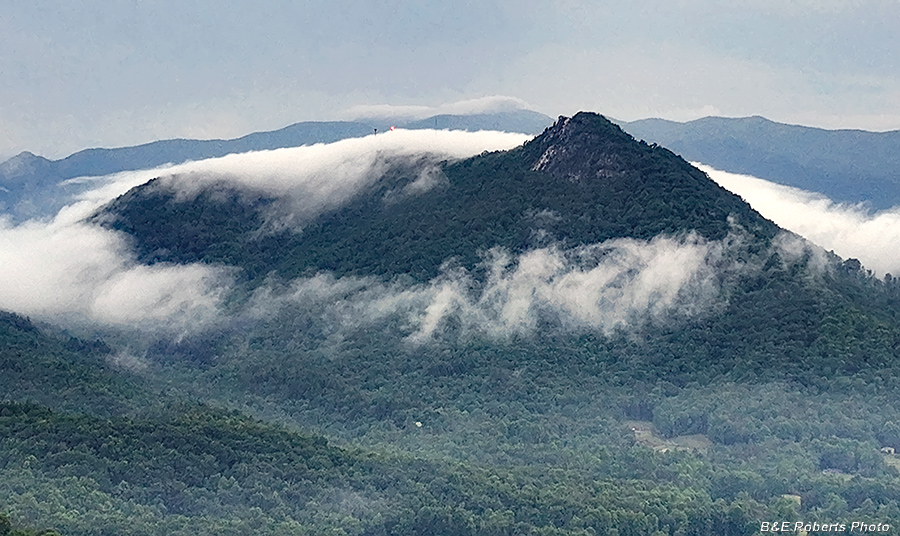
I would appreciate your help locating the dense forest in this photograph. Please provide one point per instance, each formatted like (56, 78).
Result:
(766, 388)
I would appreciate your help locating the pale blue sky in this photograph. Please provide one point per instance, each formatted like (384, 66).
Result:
(83, 74)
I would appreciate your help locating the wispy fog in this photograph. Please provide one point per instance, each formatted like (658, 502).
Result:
(848, 230)
(604, 287)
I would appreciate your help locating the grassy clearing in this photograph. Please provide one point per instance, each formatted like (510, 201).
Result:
(645, 434)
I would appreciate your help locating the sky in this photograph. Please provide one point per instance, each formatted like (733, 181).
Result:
(80, 74)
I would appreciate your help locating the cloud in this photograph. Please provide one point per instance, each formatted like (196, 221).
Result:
(614, 285)
(79, 273)
(311, 179)
(848, 230)
(603, 287)
(482, 105)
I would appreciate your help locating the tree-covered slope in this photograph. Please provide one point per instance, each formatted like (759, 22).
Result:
(846, 165)
(204, 471)
(59, 371)
(7, 528)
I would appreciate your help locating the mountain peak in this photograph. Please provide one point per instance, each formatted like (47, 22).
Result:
(25, 170)
(20, 164)
(584, 128)
(581, 147)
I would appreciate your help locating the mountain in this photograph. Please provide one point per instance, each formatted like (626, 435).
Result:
(29, 185)
(591, 179)
(506, 243)
(568, 195)
(581, 335)
(849, 166)
(32, 186)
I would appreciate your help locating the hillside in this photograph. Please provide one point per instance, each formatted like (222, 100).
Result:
(205, 471)
(848, 166)
(60, 371)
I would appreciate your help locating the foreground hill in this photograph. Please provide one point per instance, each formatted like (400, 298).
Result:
(197, 470)
(60, 371)
(849, 166)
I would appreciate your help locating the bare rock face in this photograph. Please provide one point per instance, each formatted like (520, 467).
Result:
(583, 147)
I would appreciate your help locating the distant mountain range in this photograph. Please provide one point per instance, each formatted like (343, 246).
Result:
(32, 186)
(850, 166)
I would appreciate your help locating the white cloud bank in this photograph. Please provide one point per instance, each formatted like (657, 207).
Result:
(851, 231)
(68, 270)
(77, 272)
(315, 178)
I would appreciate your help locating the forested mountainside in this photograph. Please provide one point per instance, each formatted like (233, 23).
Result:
(205, 471)
(849, 166)
(583, 335)
(177, 467)
(59, 370)
(8, 528)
